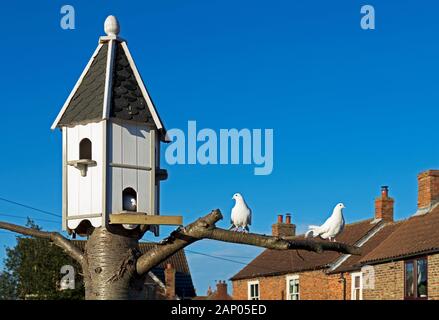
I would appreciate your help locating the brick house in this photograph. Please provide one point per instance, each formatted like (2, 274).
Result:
(400, 259)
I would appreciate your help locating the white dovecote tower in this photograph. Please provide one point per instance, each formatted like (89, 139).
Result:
(111, 134)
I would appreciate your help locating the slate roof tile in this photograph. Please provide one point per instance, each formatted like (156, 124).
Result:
(127, 100)
(87, 102)
(414, 236)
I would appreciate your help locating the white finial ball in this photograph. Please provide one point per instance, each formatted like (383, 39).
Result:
(111, 26)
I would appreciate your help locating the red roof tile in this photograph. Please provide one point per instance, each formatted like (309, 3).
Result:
(416, 235)
(353, 262)
(273, 262)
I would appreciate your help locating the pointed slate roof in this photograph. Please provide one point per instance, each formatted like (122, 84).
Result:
(128, 102)
(109, 87)
(88, 99)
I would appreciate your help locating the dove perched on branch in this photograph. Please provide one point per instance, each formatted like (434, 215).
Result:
(241, 216)
(332, 227)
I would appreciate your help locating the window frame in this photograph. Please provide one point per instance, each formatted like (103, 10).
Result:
(415, 276)
(249, 285)
(353, 287)
(288, 279)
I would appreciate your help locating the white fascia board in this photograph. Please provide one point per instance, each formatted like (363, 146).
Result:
(75, 88)
(145, 93)
(337, 263)
(108, 79)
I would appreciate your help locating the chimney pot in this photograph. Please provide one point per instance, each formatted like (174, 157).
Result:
(384, 191)
(280, 229)
(384, 205)
(221, 290)
(170, 282)
(428, 188)
(280, 218)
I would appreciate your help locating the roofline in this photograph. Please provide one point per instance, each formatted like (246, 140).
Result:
(156, 279)
(362, 241)
(75, 88)
(279, 273)
(149, 102)
(112, 40)
(108, 80)
(400, 257)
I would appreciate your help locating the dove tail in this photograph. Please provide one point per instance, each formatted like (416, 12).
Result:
(312, 232)
(309, 233)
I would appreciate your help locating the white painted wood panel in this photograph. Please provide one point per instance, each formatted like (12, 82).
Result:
(72, 177)
(115, 191)
(129, 179)
(84, 183)
(143, 195)
(84, 194)
(129, 145)
(143, 149)
(115, 143)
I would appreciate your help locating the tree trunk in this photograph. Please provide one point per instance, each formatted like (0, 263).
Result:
(110, 263)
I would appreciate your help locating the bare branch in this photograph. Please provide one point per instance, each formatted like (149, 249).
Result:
(204, 228)
(54, 237)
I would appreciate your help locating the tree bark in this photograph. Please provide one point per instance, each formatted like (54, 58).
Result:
(55, 237)
(111, 267)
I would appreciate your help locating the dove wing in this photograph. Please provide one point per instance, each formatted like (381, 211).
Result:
(232, 217)
(249, 217)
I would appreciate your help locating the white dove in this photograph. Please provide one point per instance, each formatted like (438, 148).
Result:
(332, 227)
(241, 216)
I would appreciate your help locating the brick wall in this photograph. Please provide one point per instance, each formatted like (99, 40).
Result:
(428, 187)
(389, 282)
(433, 277)
(270, 288)
(314, 285)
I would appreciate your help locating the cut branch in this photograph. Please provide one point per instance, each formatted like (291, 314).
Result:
(65, 244)
(204, 228)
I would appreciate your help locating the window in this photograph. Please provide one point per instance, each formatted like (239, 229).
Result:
(357, 286)
(293, 287)
(85, 149)
(253, 290)
(415, 286)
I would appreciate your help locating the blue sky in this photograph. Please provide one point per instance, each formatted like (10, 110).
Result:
(351, 109)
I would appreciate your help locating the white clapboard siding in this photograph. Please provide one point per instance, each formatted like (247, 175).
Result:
(84, 194)
(129, 144)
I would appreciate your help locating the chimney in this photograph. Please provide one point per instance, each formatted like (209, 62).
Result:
(428, 189)
(170, 282)
(281, 229)
(221, 290)
(384, 206)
